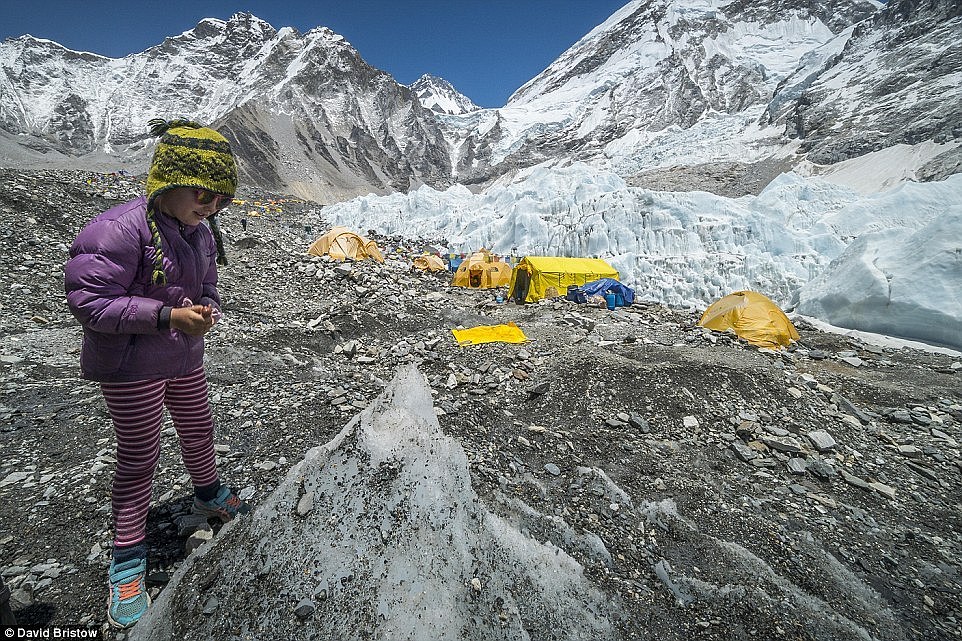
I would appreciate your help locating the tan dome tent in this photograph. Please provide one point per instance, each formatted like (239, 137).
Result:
(341, 243)
(429, 263)
(753, 317)
(482, 270)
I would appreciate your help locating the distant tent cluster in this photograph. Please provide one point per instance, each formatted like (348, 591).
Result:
(750, 315)
(258, 208)
(108, 181)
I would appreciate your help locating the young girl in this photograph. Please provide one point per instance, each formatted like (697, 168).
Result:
(142, 280)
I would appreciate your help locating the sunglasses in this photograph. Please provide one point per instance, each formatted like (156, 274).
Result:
(204, 198)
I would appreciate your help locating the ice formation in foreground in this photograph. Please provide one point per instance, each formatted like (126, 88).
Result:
(380, 530)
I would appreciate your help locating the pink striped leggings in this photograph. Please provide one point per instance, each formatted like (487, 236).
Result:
(137, 410)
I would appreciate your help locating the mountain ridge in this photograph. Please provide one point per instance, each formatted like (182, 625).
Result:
(689, 87)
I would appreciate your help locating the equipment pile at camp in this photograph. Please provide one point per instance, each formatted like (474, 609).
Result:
(718, 490)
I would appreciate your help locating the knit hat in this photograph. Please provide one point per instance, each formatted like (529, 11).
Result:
(189, 155)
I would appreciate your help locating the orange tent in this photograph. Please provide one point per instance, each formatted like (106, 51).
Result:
(482, 270)
(429, 263)
(341, 243)
(753, 317)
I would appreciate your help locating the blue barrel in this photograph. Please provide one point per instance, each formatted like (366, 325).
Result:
(610, 301)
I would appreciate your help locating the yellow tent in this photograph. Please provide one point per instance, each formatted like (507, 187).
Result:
(341, 243)
(429, 263)
(752, 316)
(482, 270)
(537, 277)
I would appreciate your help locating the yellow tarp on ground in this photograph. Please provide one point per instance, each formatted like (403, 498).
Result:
(482, 270)
(509, 333)
(753, 317)
(537, 277)
(341, 243)
(429, 263)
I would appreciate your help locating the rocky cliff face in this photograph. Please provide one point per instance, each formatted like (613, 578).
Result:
(895, 81)
(657, 66)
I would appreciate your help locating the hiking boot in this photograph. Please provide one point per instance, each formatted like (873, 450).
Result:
(128, 594)
(225, 506)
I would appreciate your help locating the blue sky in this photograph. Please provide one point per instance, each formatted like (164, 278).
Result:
(486, 48)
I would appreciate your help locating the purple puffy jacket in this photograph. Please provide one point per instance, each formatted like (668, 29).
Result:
(109, 290)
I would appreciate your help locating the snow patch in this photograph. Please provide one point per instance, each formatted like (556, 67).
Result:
(879, 170)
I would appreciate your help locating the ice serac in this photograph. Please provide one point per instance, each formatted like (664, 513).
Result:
(380, 531)
(899, 282)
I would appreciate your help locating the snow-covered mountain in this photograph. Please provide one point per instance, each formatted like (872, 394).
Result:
(720, 94)
(437, 94)
(661, 84)
(897, 79)
(306, 113)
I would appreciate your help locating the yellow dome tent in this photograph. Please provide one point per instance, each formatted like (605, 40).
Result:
(753, 317)
(537, 277)
(341, 243)
(429, 263)
(482, 270)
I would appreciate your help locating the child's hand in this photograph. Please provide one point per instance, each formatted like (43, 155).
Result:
(194, 320)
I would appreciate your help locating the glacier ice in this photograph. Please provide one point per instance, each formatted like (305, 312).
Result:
(392, 540)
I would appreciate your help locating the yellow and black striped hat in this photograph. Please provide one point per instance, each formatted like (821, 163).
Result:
(190, 155)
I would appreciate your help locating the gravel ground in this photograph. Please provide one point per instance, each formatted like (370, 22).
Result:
(708, 489)
(730, 179)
